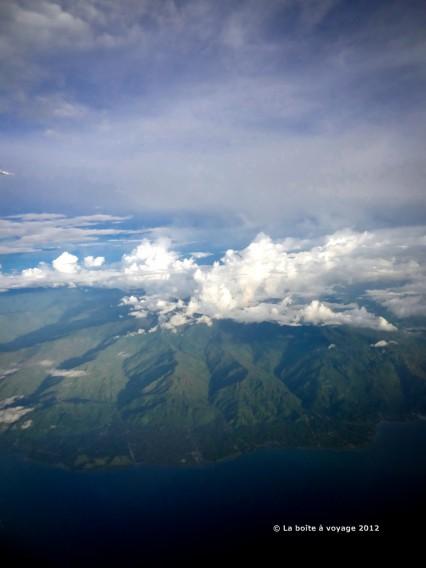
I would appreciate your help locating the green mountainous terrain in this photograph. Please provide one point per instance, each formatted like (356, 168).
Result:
(80, 387)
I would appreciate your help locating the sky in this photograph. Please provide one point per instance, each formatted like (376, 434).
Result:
(304, 112)
(196, 127)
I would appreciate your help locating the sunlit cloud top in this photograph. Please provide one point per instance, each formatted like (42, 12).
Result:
(362, 279)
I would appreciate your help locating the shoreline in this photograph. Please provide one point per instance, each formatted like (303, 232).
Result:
(206, 464)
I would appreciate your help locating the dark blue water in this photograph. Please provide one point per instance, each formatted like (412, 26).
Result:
(70, 518)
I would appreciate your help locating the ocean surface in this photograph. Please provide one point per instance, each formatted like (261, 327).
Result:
(73, 518)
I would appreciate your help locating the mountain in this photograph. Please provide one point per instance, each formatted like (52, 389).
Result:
(80, 386)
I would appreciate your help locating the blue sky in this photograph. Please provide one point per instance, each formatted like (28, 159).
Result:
(289, 116)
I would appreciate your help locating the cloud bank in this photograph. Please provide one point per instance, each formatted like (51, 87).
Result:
(331, 280)
(31, 232)
(216, 105)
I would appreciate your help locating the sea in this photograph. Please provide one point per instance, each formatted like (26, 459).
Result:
(268, 499)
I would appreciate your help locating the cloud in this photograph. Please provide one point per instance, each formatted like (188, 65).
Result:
(68, 373)
(199, 255)
(27, 424)
(45, 363)
(244, 107)
(278, 282)
(404, 301)
(33, 273)
(66, 263)
(383, 343)
(6, 402)
(31, 232)
(318, 313)
(172, 315)
(10, 412)
(149, 258)
(7, 372)
(12, 415)
(94, 261)
(318, 281)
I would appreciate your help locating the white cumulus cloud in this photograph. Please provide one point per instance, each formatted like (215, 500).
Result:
(318, 313)
(34, 273)
(321, 281)
(66, 263)
(94, 261)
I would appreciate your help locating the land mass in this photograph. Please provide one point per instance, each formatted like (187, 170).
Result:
(80, 386)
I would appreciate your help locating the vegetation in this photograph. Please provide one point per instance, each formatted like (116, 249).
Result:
(103, 395)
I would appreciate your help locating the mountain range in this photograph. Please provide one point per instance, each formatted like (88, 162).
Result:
(82, 387)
